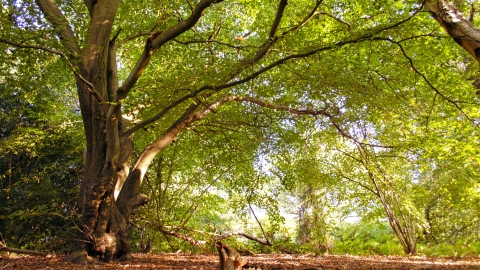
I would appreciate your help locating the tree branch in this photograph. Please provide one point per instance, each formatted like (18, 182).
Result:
(91, 87)
(456, 25)
(265, 48)
(364, 37)
(322, 112)
(132, 37)
(89, 4)
(410, 61)
(278, 18)
(307, 18)
(217, 237)
(28, 46)
(209, 41)
(157, 40)
(248, 236)
(55, 16)
(336, 19)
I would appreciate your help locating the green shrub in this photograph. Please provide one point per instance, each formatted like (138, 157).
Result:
(366, 239)
(460, 248)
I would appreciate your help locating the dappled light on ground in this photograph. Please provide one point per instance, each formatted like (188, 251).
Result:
(258, 262)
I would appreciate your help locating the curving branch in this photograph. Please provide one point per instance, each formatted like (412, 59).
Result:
(272, 37)
(91, 87)
(307, 18)
(55, 16)
(159, 115)
(184, 237)
(28, 46)
(322, 112)
(456, 25)
(248, 236)
(264, 69)
(173, 231)
(410, 61)
(157, 40)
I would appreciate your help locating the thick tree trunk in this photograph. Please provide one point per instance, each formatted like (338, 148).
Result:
(105, 231)
(109, 192)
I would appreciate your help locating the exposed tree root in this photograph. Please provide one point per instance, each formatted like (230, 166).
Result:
(80, 257)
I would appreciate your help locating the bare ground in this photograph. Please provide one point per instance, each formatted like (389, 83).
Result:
(258, 262)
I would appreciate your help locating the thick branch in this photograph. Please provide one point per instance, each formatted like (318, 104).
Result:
(182, 26)
(188, 117)
(90, 4)
(264, 49)
(456, 25)
(278, 18)
(159, 115)
(157, 40)
(365, 36)
(55, 17)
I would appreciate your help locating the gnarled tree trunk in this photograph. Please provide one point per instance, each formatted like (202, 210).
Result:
(109, 192)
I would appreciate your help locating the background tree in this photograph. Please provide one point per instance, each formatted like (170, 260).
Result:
(38, 182)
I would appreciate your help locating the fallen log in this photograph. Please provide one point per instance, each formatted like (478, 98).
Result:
(22, 251)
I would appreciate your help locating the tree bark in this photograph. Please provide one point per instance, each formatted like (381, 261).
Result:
(456, 25)
(459, 28)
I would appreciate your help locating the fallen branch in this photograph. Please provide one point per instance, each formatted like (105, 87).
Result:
(181, 236)
(248, 236)
(23, 251)
(172, 230)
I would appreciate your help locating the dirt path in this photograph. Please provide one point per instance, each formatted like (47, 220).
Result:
(259, 262)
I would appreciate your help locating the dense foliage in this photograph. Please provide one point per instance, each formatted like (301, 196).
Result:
(41, 159)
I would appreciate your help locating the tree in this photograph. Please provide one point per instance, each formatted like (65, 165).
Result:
(166, 66)
(38, 182)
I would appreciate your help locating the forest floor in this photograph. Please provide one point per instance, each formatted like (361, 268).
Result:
(258, 262)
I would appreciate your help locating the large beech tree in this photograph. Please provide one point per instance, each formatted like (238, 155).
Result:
(162, 66)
